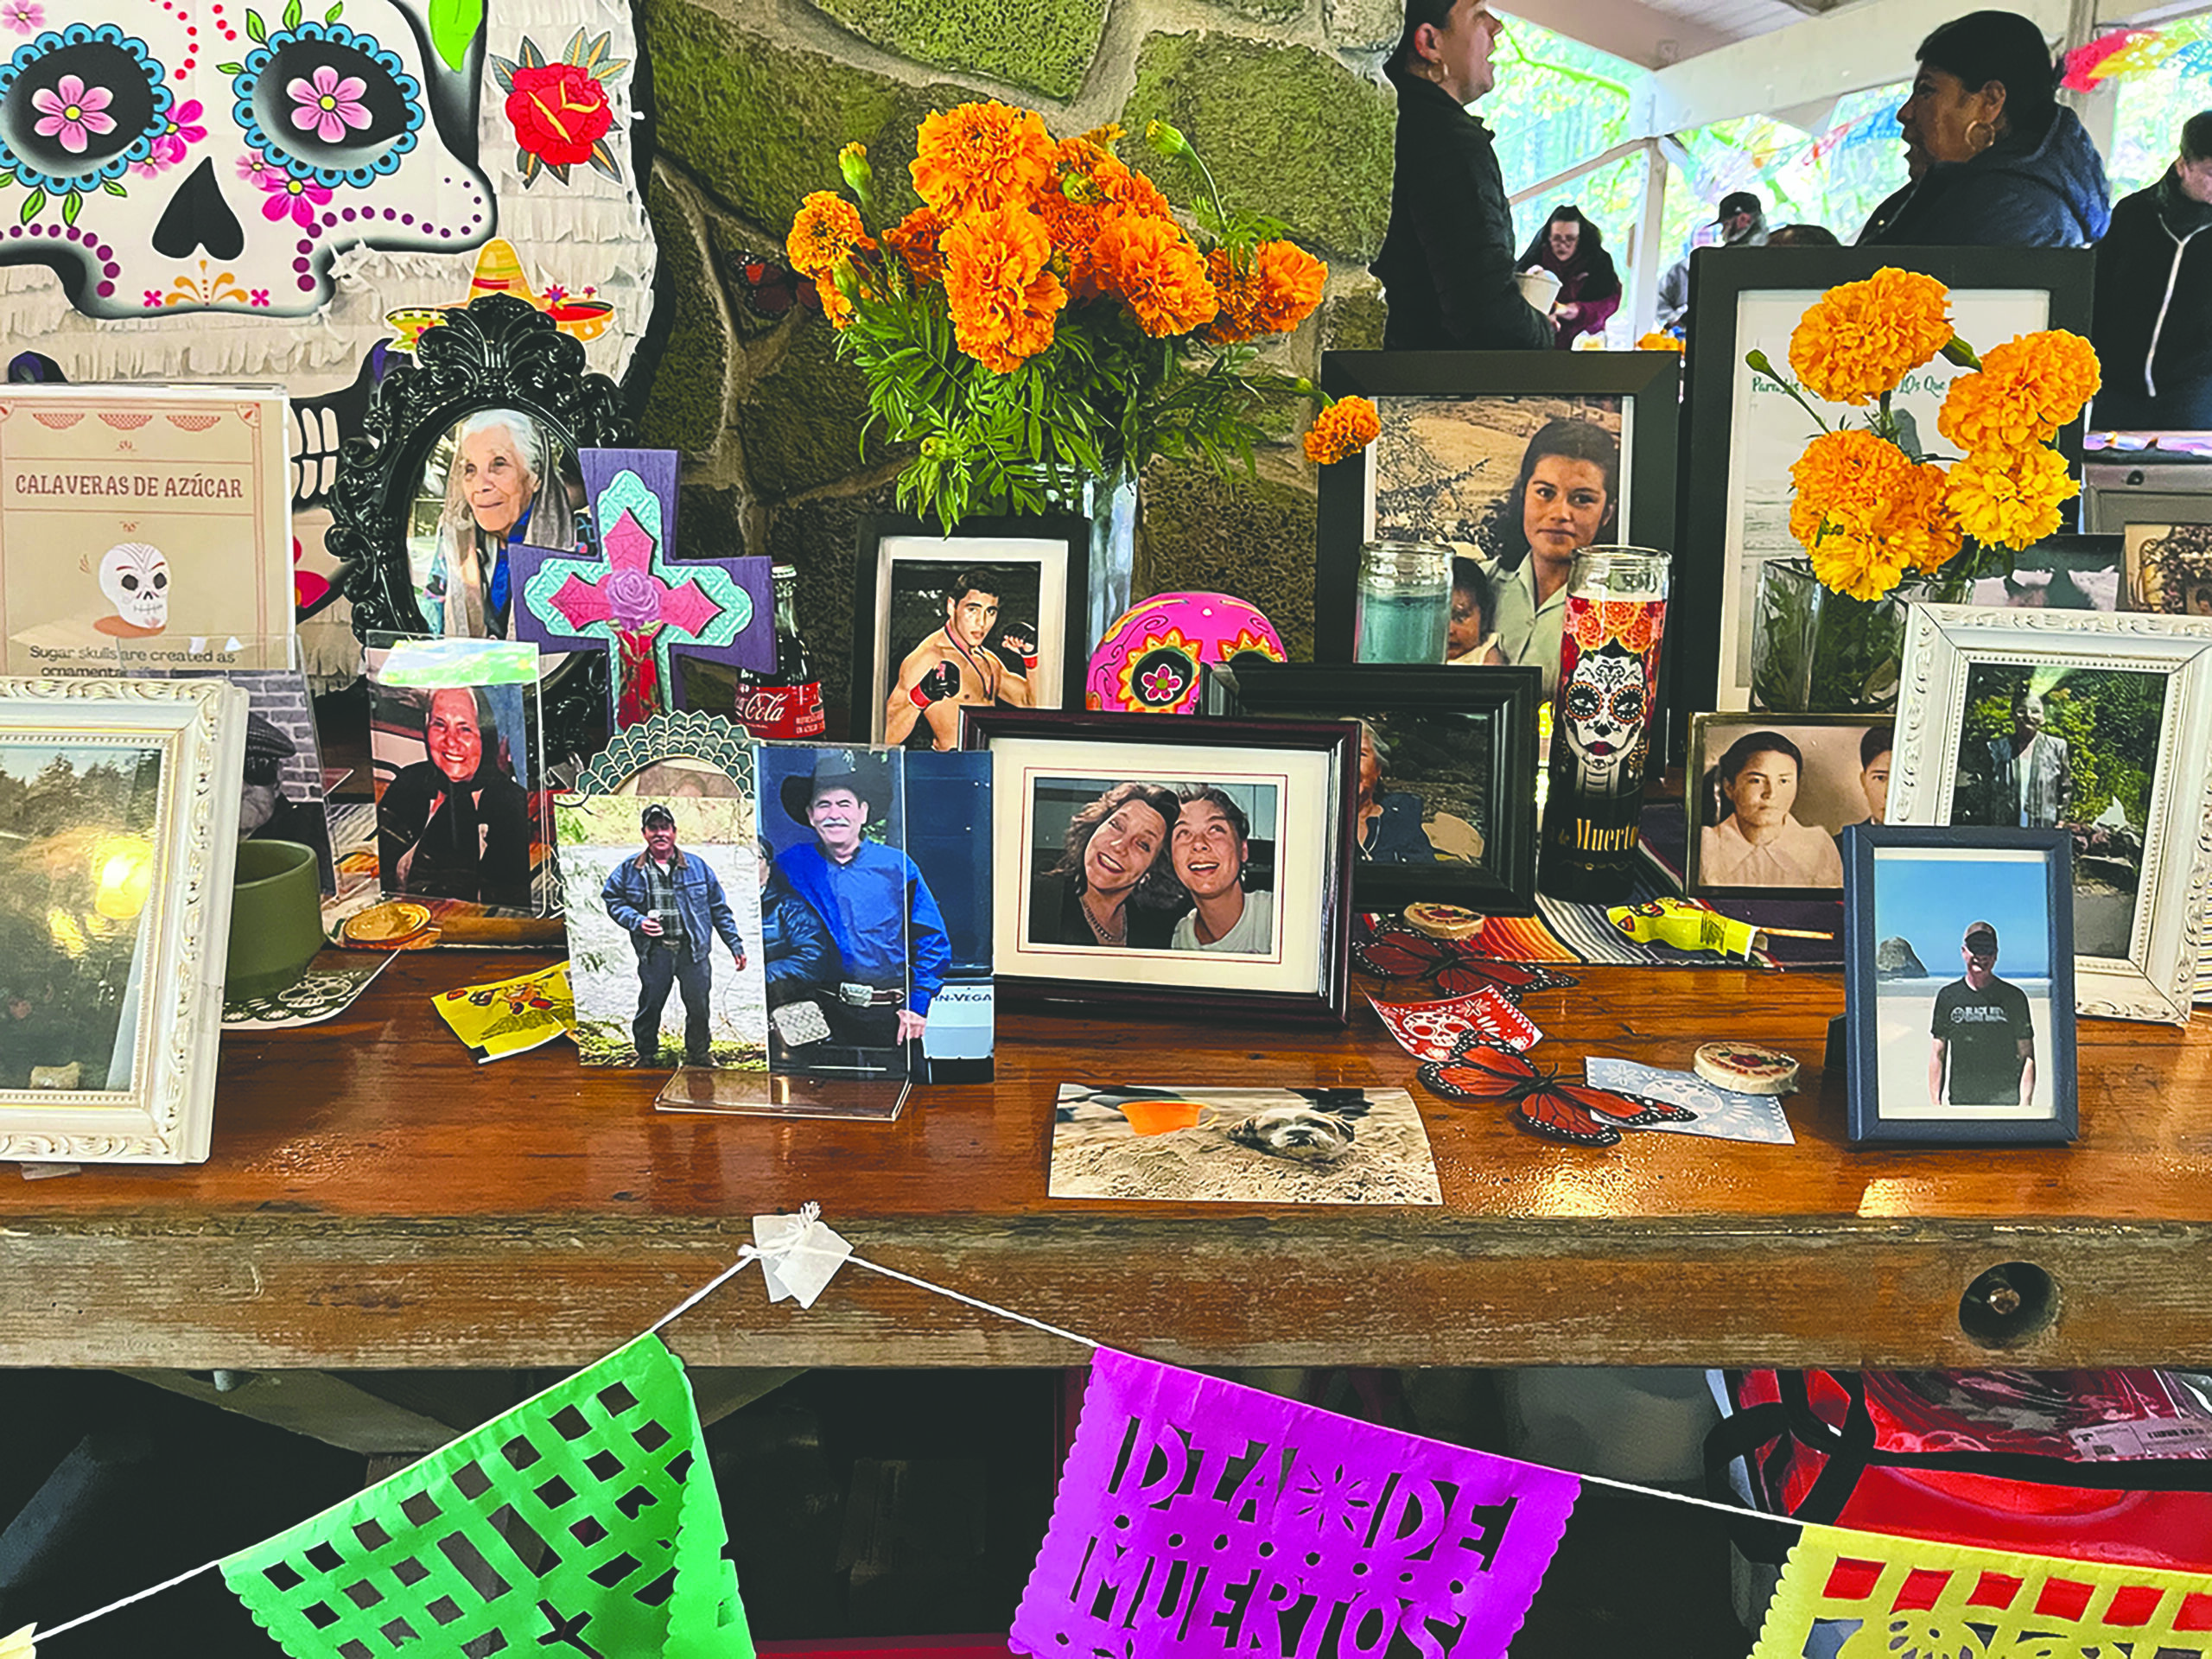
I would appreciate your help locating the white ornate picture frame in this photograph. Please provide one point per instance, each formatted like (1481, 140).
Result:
(2153, 977)
(116, 920)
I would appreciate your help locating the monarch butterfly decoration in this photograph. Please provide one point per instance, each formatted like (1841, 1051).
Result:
(1456, 965)
(1479, 1069)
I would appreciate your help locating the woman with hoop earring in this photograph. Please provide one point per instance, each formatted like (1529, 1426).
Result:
(1993, 160)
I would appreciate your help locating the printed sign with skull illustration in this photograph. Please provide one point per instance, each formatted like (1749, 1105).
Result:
(135, 576)
(203, 155)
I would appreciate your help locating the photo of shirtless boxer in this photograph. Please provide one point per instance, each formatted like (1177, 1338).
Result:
(975, 658)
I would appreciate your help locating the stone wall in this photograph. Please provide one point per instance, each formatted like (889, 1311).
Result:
(753, 98)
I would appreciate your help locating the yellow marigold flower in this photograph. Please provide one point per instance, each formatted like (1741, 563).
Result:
(827, 229)
(1860, 339)
(1866, 514)
(1852, 562)
(1003, 298)
(914, 239)
(2027, 388)
(1342, 431)
(2010, 500)
(981, 157)
(1922, 525)
(1156, 271)
(1276, 289)
(1853, 476)
(1656, 342)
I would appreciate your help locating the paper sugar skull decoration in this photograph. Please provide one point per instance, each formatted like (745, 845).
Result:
(207, 155)
(1149, 661)
(134, 577)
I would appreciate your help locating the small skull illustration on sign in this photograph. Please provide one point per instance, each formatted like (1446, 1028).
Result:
(135, 576)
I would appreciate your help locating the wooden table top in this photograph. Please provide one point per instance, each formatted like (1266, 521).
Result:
(375, 1200)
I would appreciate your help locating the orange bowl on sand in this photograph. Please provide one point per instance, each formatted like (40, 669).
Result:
(1160, 1117)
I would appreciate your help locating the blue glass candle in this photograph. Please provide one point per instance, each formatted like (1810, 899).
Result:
(1404, 602)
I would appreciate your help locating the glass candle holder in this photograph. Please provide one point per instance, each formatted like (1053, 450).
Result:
(1404, 602)
(1601, 722)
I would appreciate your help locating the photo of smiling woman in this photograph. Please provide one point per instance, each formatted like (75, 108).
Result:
(496, 481)
(1566, 497)
(456, 824)
(1211, 851)
(1112, 886)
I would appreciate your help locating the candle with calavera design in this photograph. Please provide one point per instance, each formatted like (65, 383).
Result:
(1601, 721)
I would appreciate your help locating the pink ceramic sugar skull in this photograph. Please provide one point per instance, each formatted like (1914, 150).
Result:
(204, 153)
(1149, 661)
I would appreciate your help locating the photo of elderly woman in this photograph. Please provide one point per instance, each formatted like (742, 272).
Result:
(455, 758)
(1772, 797)
(1517, 484)
(1110, 885)
(499, 478)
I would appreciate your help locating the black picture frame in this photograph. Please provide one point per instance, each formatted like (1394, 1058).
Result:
(495, 352)
(1504, 883)
(1649, 382)
(1096, 748)
(1720, 279)
(1710, 737)
(1912, 1115)
(874, 669)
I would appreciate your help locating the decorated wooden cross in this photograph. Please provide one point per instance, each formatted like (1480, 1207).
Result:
(630, 599)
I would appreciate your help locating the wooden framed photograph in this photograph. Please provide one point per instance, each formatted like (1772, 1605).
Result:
(2170, 569)
(1768, 796)
(1747, 432)
(1444, 805)
(1516, 459)
(2097, 725)
(118, 822)
(1959, 984)
(1199, 866)
(991, 616)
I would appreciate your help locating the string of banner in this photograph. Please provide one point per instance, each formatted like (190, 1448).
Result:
(1194, 1516)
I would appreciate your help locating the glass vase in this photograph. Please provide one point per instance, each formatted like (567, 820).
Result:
(1817, 652)
(1111, 504)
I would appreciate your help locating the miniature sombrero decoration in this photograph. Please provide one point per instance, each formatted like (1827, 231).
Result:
(499, 270)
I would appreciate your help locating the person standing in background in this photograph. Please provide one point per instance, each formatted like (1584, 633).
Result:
(1994, 161)
(2152, 325)
(1743, 225)
(1573, 249)
(1446, 264)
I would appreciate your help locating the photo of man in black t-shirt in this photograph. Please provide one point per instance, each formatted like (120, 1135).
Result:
(1984, 1047)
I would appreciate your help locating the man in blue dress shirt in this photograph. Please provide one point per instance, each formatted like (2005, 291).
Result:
(881, 913)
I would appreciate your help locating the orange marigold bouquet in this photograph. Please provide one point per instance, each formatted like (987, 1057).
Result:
(1043, 318)
(1870, 509)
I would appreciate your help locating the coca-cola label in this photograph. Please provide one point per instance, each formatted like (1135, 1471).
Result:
(783, 711)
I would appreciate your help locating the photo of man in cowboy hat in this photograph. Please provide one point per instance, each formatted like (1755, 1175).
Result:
(889, 932)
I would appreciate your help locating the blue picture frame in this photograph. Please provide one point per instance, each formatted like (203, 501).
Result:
(1948, 880)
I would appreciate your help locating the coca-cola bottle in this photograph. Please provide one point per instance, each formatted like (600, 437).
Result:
(786, 702)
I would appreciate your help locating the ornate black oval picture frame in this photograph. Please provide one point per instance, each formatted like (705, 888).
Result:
(497, 353)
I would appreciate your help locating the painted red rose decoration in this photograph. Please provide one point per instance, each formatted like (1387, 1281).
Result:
(559, 108)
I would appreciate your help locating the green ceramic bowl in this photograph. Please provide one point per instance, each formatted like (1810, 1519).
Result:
(276, 918)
